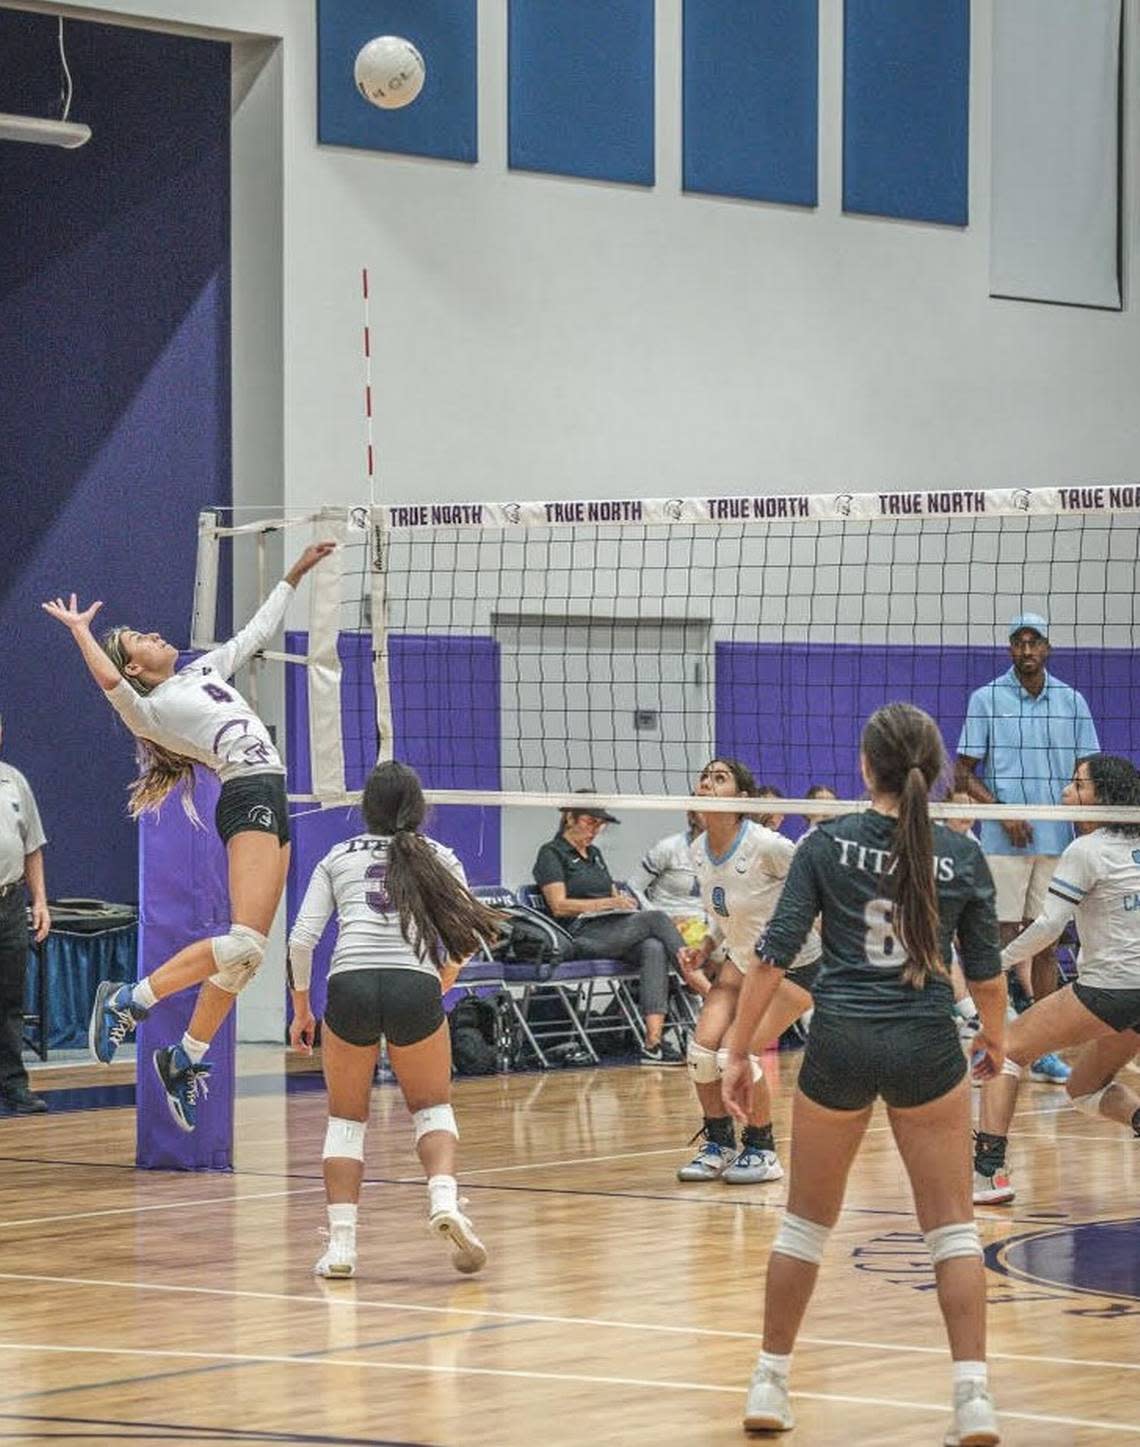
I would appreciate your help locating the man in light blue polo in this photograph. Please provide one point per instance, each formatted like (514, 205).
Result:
(1029, 731)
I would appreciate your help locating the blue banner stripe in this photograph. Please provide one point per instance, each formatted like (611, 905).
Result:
(442, 121)
(580, 88)
(751, 99)
(906, 88)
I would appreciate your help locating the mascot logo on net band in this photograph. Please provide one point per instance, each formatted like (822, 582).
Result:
(842, 502)
(512, 511)
(674, 509)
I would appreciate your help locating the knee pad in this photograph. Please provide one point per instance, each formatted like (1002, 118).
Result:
(704, 1064)
(753, 1060)
(1089, 1104)
(803, 1239)
(1011, 1068)
(237, 956)
(435, 1117)
(958, 1239)
(345, 1139)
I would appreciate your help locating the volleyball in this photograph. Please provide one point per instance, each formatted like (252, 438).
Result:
(389, 71)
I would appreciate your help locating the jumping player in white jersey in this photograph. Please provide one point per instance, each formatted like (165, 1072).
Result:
(405, 921)
(179, 719)
(740, 866)
(1097, 882)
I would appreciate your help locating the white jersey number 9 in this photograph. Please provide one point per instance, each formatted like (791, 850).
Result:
(884, 949)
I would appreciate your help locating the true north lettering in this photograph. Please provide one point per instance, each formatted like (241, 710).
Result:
(729, 508)
(918, 504)
(594, 512)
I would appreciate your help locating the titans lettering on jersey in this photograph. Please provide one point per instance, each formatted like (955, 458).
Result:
(839, 872)
(739, 889)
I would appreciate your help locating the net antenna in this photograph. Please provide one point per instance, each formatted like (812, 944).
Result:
(374, 522)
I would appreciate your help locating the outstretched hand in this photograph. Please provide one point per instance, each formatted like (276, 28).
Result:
(309, 559)
(70, 614)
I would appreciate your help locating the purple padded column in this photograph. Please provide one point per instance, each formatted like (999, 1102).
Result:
(183, 897)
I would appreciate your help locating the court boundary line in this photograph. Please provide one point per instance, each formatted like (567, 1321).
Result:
(542, 1318)
(516, 1373)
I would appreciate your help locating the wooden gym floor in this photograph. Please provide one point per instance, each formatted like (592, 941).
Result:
(618, 1305)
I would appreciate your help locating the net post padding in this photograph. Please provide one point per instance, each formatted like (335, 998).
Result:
(381, 679)
(326, 741)
(203, 617)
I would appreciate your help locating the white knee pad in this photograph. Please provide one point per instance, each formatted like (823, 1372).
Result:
(1011, 1067)
(237, 956)
(704, 1064)
(753, 1060)
(802, 1239)
(1089, 1104)
(344, 1138)
(958, 1239)
(435, 1117)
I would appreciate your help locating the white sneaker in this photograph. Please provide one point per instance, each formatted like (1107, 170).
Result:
(470, 1253)
(975, 1419)
(752, 1166)
(767, 1408)
(340, 1258)
(994, 1190)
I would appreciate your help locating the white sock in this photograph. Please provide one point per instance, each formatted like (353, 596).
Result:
(971, 1372)
(195, 1049)
(342, 1213)
(143, 995)
(777, 1365)
(443, 1194)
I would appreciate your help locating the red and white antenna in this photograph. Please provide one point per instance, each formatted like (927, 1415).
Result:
(370, 460)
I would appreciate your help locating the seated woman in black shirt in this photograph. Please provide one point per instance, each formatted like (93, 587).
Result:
(606, 924)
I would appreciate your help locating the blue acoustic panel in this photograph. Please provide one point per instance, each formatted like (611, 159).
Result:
(751, 99)
(581, 88)
(441, 121)
(906, 92)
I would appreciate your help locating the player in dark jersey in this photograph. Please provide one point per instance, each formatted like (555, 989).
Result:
(892, 890)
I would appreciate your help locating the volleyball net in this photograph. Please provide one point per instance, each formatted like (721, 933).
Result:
(522, 654)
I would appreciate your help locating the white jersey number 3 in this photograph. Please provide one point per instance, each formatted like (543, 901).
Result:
(884, 949)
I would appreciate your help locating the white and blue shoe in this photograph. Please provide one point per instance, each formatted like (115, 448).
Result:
(183, 1082)
(113, 1017)
(1049, 1070)
(709, 1163)
(752, 1166)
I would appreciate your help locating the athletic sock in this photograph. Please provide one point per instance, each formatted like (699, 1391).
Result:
(195, 1049)
(720, 1130)
(143, 995)
(443, 1194)
(342, 1213)
(758, 1138)
(971, 1372)
(779, 1366)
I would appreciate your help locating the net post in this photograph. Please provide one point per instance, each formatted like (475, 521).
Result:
(381, 679)
(326, 740)
(204, 613)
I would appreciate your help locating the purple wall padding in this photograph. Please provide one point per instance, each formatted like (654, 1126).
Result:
(183, 897)
(794, 712)
(115, 378)
(445, 714)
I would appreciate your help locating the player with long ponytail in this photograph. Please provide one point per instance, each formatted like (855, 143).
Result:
(892, 891)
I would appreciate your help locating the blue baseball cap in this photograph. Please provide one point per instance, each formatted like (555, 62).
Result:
(1030, 620)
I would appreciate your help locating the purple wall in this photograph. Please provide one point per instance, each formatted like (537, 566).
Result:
(445, 715)
(115, 420)
(794, 712)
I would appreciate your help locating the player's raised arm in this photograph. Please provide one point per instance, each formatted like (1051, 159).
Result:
(78, 622)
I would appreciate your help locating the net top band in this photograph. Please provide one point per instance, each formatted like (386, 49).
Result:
(844, 507)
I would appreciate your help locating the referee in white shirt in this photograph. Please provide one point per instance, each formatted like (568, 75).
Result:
(21, 865)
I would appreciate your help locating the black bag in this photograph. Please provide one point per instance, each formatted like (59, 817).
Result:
(484, 1035)
(472, 1024)
(532, 938)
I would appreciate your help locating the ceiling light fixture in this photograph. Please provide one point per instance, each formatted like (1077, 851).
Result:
(39, 130)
